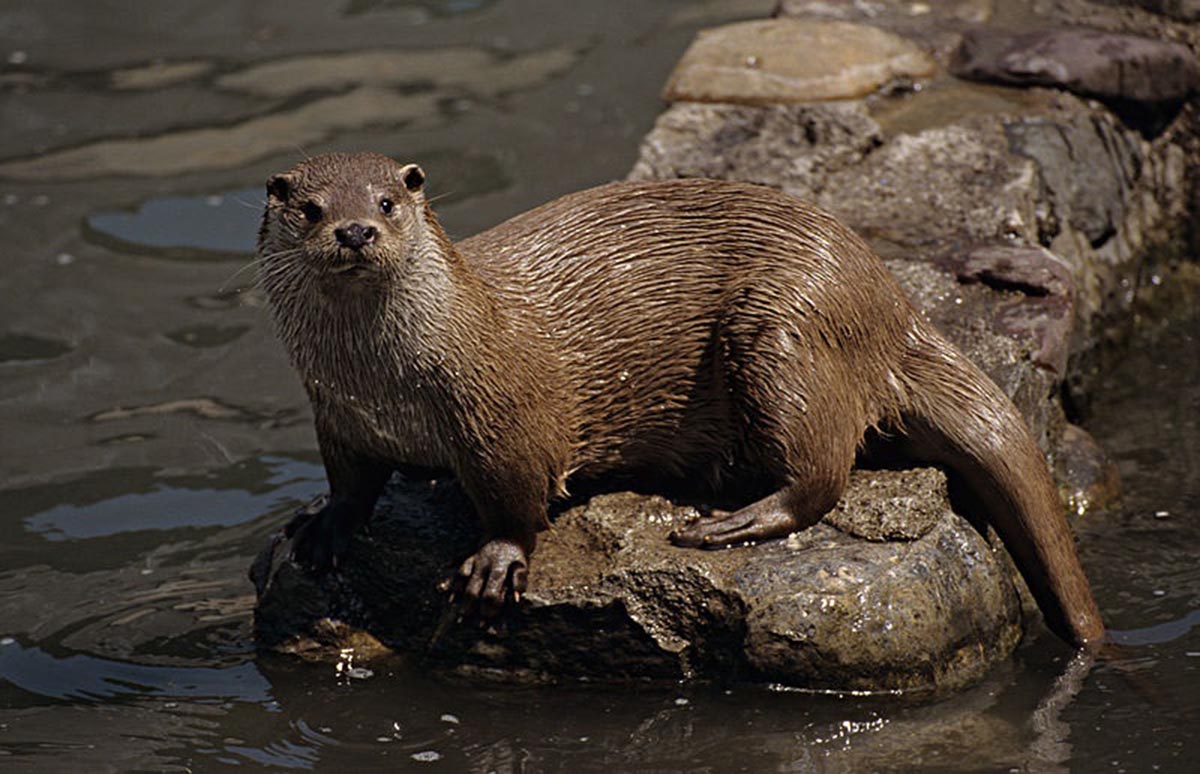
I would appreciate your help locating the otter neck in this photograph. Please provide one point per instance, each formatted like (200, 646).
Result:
(400, 327)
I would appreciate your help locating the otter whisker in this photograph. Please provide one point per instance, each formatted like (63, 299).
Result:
(241, 270)
(255, 205)
(440, 196)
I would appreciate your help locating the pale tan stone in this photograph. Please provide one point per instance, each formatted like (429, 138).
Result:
(792, 60)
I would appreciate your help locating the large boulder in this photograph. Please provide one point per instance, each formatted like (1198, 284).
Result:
(893, 592)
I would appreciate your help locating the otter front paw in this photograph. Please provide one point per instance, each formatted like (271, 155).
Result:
(319, 538)
(486, 579)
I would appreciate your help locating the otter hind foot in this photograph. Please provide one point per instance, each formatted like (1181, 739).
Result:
(770, 517)
(487, 578)
(319, 538)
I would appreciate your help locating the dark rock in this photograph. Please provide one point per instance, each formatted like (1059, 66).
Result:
(1033, 271)
(873, 626)
(932, 187)
(1088, 165)
(1090, 62)
(610, 598)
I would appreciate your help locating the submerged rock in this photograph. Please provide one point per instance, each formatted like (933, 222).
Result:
(893, 592)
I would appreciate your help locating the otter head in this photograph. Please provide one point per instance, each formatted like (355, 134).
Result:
(337, 217)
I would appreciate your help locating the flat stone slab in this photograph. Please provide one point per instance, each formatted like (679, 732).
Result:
(900, 595)
(1095, 63)
(792, 60)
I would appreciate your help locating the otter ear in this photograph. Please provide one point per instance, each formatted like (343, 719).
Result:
(280, 186)
(413, 178)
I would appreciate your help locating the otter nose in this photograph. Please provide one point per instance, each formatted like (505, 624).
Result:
(355, 235)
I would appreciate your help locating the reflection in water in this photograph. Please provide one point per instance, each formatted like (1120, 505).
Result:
(17, 347)
(356, 89)
(184, 228)
(1158, 634)
(205, 336)
(88, 678)
(167, 504)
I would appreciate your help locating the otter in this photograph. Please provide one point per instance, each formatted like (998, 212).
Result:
(695, 329)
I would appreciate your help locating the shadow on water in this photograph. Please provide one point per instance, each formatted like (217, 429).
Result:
(155, 435)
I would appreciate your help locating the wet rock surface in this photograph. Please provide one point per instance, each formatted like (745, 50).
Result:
(1088, 477)
(893, 592)
(1017, 219)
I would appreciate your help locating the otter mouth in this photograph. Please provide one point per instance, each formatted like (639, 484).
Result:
(352, 269)
(351, 265)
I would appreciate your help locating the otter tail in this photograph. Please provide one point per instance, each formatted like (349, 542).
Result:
(956, 416)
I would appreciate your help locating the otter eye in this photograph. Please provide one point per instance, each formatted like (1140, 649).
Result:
(386, 206)
(312, 211)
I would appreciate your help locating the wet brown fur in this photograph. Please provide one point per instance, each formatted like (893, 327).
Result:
(692, 327)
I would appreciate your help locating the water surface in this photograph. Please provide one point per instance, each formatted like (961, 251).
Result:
(154, 435)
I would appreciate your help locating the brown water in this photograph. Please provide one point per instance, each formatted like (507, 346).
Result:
(153, 434)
